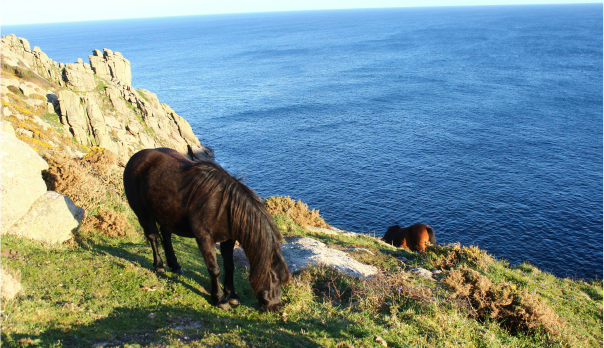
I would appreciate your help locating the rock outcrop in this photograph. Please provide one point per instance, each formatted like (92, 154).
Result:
(423, 273)
(51, 219)
(303, 251)
(28, 209)
(79, 76)
(95, 101)
(10, 286)
(21, 182)
(73, 114)
(32, 58)
(111, 66)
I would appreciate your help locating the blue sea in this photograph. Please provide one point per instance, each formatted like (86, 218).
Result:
(483, 122)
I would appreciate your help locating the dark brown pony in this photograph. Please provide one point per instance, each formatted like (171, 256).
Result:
(201, 200)
(413, 237)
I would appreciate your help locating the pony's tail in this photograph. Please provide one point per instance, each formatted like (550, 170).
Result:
(431, 234)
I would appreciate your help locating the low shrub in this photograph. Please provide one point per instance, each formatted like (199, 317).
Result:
(332, 286)
(71, 178)
(104, 164)
(449, 256)
(392, 290)
(381, 293)
(112, 223)
(94, 183)
(298, 211)
(516, 310)
(25, 74)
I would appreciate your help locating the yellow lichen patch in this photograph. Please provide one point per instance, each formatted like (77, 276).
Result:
(38, 96)
(22, 110)
(36, 143)
(17, 104)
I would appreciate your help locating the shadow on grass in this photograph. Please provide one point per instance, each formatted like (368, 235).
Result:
(193, 270)
(169, 324)
(191, 321)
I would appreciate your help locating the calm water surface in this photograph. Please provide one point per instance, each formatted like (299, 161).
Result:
(484, 122)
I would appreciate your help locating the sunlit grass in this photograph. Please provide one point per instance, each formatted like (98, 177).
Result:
(103, 290)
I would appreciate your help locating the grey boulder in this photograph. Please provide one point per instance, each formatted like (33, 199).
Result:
(51, 219)
(302, 252)
(21, 182)
(10, 286)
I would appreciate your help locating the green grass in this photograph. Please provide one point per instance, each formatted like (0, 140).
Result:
(140, 93)
(25, 74)
(16, 91)
(100, 84)
(97, 292)
(53, 120)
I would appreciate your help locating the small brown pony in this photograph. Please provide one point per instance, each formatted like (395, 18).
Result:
(201, 200)
(413, 237)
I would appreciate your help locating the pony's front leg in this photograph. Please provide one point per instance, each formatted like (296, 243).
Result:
(226, 249)
(208, 250)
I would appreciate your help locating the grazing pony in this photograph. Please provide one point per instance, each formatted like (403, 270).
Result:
(413, 237)
(201, 200)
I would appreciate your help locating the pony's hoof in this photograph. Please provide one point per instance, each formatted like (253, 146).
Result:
(234, 302)
(224, 306)
(160, 271)
(178, 272)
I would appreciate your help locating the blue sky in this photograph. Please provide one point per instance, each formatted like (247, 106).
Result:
(44, 11)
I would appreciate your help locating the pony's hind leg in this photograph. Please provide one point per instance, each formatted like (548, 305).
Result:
(152, 235)
(208, 250)
(166, 234)
(158, 264)
(226, 249)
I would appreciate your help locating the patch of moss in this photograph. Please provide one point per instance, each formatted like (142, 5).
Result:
(142, 94)
(25, 74)
(100, 84)
(15, 90)
(53, 120)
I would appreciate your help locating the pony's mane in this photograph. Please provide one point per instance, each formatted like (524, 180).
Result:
(249, 221)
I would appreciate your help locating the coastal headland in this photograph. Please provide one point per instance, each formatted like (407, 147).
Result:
(77, 271)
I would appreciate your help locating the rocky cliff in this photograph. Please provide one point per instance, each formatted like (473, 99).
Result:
(76, 106)
(69, 114)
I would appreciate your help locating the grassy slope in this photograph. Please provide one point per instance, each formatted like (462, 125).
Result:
(103, 291)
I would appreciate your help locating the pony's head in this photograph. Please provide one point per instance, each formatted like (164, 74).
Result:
(254, 227)
(269, 294)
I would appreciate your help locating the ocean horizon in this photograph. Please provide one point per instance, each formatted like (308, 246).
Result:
(483, 122)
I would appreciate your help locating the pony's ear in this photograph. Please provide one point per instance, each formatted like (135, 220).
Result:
(280, 268)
